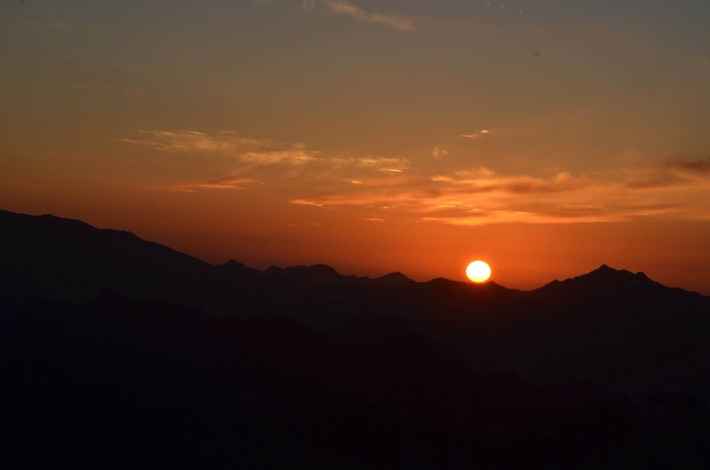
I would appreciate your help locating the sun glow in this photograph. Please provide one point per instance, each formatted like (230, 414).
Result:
(478, 271)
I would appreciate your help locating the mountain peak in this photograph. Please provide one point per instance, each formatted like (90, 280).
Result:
(236, 268)
(395, 276)
(393, 279)
(315, 269)
(603, 279)
(314, 275)
(604, 271)
(607, 270)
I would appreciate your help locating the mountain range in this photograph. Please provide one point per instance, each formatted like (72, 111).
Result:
(390, 372)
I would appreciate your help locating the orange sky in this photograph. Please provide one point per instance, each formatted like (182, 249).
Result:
(545, 137)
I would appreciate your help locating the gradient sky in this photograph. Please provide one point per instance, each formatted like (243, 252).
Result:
(547, 137)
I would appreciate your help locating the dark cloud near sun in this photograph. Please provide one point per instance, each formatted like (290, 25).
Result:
(672, 171)
(698, 166)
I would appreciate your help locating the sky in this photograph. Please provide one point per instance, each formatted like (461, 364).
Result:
(545, 137)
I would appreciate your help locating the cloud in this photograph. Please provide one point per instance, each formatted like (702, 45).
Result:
(397, 164)
(192, 141)
(485, 180)
(344, 8)
(253, 152)
(292, 157)
(250, 152)
(501, 132)
(697, 166)
(482, 196)
(477, 134)
(246, 159)
(669, 172)
(306, 202)
(220, 183)
(438, 153)
(673, 187)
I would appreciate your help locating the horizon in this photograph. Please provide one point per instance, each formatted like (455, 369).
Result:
(492, 280)
(546, 138)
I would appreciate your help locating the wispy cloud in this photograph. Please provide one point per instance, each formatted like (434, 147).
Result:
(484, 180)
(438, 153)
(247, 159)
(482, 196)
(306, 202)
(396, 164)
(192, 141)
(673, 187)
(688, 166)
(250, 152)
(293, 157)
(673, 171)
(253, 151)
(476, 134)
(530, 128)
(220, 183)
(345, 8)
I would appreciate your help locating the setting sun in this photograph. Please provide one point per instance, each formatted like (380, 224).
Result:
(478, 271)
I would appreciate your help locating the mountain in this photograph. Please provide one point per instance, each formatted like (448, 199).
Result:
(132, 351)
(57, 259)
(603, 325)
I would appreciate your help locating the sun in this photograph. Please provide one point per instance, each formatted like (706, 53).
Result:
(478, 271)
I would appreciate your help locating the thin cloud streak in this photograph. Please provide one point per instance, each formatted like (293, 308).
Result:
(227, 183)
(252, 151)
(345, 8)
(224, 183)
(476, 135)
(266, 160)
(481, 196)
(675, 171)
(674, 187)
(306, 202)
(195, 141)
(438, 153)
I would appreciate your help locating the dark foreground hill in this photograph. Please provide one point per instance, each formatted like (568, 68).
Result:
(119, 384)
(117, 351)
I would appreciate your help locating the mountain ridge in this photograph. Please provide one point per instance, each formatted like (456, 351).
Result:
(319, 273)
(81, 307)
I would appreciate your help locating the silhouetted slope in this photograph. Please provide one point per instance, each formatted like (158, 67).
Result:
(64, 259)
(111, 359)
(119, 382)
(60, 259)
(604, 283)
(618, 329)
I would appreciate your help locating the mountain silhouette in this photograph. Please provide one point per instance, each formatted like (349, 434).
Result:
(126, 348)
(51, 258)
(549, 335)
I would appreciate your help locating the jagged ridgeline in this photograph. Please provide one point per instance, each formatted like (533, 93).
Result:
(122, 350)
